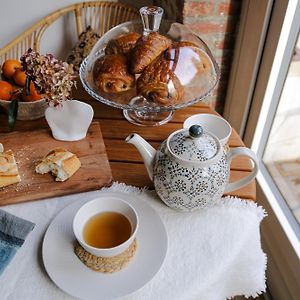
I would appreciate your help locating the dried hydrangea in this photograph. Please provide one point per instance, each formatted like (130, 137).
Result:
(52, 77)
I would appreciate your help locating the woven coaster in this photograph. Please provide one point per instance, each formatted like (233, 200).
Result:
(226, 147)
(106, 264)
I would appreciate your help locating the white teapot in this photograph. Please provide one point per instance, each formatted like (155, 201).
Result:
(191, 169)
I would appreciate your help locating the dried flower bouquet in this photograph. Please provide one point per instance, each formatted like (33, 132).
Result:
(52, 78)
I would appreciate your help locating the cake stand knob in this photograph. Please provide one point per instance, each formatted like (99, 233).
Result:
(151, 17)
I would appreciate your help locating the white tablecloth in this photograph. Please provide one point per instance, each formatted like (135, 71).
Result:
(213, 253)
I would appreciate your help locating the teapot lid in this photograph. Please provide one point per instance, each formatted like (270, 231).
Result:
(194, 145)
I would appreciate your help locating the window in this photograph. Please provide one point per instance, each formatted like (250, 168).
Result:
(259, 107)
(282, 151)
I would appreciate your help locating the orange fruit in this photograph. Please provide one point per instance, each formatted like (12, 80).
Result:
(19, 77)
(33, 94)
(6, 90)
(10, 66)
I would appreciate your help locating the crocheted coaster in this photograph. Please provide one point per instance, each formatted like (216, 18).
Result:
(106, 264)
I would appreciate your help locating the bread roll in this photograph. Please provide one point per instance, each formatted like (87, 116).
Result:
(8, 168)
(60, 162)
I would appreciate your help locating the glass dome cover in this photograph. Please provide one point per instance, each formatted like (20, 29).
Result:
(166, 68)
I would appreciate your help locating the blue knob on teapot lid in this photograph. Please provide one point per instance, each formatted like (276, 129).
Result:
(195, 131)
(193, 144)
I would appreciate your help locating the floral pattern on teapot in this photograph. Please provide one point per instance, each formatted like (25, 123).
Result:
(188, 188)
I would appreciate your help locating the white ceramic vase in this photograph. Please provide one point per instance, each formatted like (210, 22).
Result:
(71, 121)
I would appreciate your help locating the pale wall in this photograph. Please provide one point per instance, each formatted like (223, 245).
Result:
(18, 15)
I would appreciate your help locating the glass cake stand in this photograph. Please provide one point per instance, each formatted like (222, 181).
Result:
(192, 72)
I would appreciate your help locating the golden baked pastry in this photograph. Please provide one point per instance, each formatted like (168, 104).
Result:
(8, 168)
(111, 74)
(146, 50)
(122, 44)
(163, 80)
(158, 83)
(60, 162)
(189, 53)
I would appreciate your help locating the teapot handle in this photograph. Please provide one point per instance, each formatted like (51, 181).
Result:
(244, 181)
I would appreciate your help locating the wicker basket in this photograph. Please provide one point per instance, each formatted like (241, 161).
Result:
(28, 110)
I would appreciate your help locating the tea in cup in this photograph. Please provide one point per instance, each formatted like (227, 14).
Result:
(106, 227)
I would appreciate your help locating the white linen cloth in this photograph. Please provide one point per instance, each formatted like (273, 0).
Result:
(213, 253)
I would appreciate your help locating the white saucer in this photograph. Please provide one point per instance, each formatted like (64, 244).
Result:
(73, 277)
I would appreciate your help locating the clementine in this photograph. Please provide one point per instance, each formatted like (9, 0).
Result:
(19, 77)
(6, 90)
(33, 94)
(10, 66)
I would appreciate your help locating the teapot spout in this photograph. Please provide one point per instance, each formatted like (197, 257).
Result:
(146, 150)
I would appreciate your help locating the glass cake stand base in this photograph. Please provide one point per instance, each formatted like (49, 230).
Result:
(148, 119)
(144, 117)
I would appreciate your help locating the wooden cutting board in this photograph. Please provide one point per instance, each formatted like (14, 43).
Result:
(30, 147)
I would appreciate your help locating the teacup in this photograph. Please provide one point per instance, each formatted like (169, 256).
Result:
(111, 213)
(214, 124)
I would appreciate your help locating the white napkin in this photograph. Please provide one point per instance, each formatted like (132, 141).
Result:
(213, 253)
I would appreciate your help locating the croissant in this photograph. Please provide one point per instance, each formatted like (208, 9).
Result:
(122, 44)
(111, 74)
(158, 83)
(146, 50)
(163, 80)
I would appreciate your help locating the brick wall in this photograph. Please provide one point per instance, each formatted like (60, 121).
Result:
(216, 22)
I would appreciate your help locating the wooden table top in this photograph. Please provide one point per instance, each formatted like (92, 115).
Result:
(125, 161)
